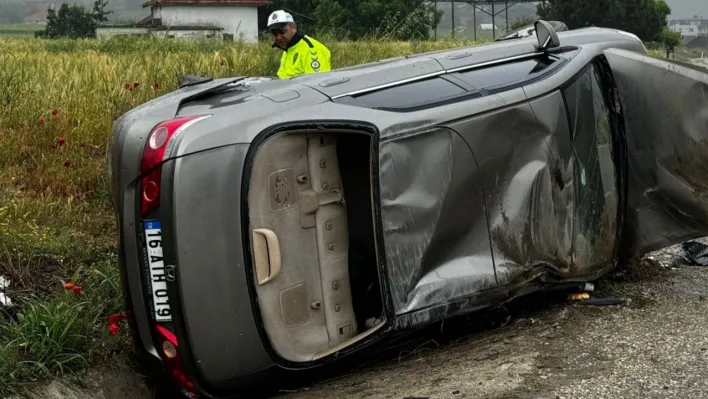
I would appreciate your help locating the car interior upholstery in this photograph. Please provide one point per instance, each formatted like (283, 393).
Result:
(312, 239)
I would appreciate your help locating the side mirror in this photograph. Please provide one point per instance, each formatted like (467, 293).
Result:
(546, 35)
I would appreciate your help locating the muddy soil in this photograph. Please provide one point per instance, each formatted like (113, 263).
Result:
(653, 346)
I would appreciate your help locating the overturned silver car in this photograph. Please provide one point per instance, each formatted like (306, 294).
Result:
(271, 227)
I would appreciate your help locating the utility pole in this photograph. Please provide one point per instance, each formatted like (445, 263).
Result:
(494, 24)
(453, 19)
(435, 7)
(474, 21)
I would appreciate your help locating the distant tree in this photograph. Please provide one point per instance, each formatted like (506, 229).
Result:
(399, 19)
(99, 12)
(74, 21)
(670, 40)
(644, 18)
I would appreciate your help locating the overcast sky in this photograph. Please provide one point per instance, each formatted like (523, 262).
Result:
(688, 8)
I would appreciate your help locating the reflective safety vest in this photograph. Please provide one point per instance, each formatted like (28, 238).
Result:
(303, 55)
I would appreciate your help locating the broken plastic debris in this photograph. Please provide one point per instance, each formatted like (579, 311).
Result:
(4, 283)
(579, 296)
(695, 253)
(5, 300)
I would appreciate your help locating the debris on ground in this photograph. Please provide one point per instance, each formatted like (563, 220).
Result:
(583, 298)
(695, 253)
(637, 269)
(5, 300)
(579, 296)
(583, 295)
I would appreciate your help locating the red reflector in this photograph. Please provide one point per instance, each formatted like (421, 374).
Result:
(174, 364)
(150, 191)
(153, 154)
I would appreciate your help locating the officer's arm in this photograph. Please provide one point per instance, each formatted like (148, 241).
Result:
(315, 61)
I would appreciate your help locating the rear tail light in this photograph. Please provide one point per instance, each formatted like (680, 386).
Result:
(156, 145)
(169, 350)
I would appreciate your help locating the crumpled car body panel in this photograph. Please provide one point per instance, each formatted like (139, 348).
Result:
(666, 109)
(555, 189)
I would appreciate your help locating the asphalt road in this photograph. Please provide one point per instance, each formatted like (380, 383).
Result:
(654, 346)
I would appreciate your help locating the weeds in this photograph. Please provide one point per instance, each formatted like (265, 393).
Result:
(57, 335)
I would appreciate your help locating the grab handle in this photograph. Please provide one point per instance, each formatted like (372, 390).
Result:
(266, 253)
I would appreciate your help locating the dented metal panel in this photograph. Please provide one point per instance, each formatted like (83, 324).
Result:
(527, 174)
(477, 209)
(434, 221)
(666, 110)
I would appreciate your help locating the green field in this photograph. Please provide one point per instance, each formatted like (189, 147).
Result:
(19, 29)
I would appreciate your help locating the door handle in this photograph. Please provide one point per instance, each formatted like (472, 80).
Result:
(266, 254)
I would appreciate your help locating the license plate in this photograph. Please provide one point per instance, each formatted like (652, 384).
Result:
(156, 265)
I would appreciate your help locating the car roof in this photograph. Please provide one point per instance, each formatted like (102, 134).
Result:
(353, 80)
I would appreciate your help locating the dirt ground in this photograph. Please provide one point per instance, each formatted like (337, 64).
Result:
(653, 346)
(700, 62)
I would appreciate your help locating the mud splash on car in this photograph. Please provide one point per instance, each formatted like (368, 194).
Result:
(692, 168)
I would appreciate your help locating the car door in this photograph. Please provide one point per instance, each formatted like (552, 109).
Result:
(595, 219)
(665, 107)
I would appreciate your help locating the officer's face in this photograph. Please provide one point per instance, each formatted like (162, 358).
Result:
(283, 36)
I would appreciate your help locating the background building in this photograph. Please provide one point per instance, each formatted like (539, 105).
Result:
(223, 19)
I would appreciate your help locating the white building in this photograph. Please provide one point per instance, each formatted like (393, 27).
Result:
(695, 26)
(227, 19)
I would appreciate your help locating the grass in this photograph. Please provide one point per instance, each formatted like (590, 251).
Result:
(58, 100)
(58, 332)
(19, 29)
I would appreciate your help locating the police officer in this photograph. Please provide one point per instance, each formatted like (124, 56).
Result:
(302, 54)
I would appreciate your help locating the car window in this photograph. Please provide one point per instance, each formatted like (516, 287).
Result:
(595, 187)
(507, 74)
(411, 95)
